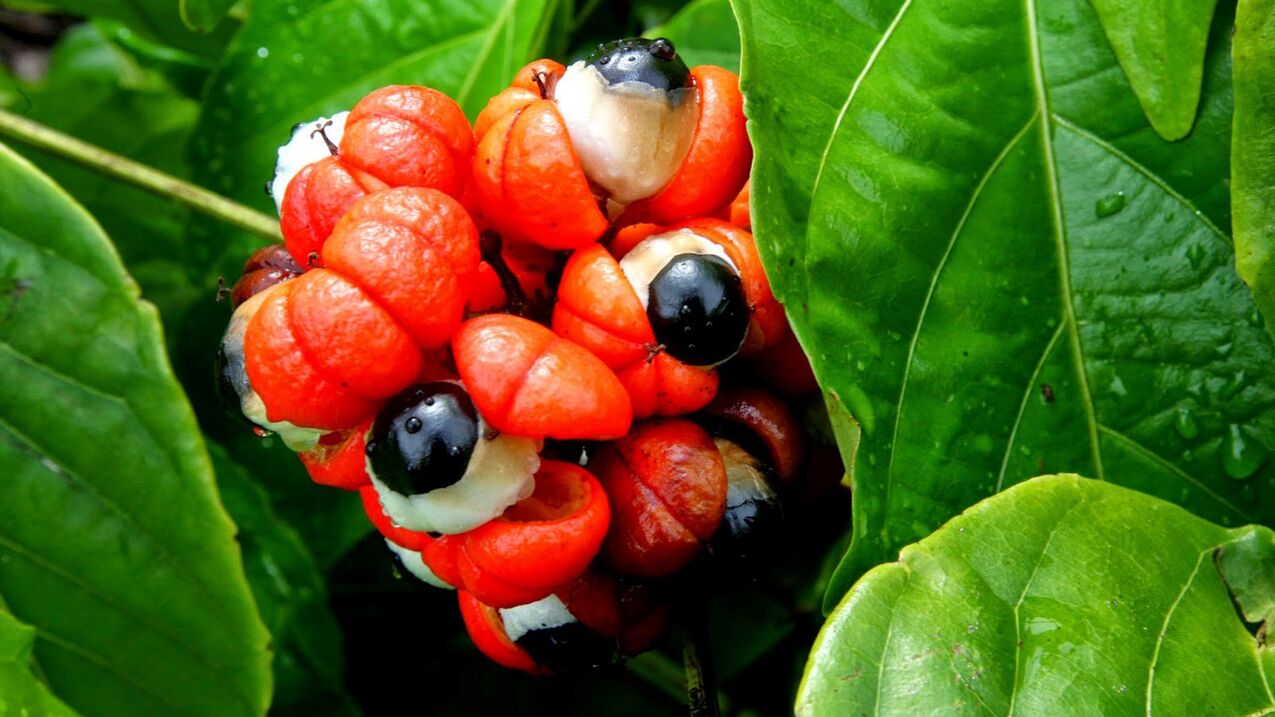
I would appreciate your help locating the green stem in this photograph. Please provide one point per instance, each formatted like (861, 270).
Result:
(701, 681)
(41, 137)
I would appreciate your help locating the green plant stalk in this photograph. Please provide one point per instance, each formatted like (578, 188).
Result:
(697, 658)
(39, 136)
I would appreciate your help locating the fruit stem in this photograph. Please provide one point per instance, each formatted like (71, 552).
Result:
(39, 136)
(697, 657)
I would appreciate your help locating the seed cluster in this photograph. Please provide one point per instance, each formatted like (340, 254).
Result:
(543, 348)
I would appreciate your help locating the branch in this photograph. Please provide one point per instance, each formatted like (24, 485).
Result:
(701, 682)
(41, 137)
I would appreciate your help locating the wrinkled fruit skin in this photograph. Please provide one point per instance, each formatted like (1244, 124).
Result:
(327, 347)
(667, 484)
(397, 136)
(527, 381)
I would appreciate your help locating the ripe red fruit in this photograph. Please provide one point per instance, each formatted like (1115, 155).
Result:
(327, 347)
(537, 545)
(397, 136)
(527, 381)
(768, 422)
(667, 485)
(266, 267)
(338, 460)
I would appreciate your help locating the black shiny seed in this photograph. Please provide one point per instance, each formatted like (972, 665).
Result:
(571, 647)
(423, 438)
(698, 310)
(654, 62)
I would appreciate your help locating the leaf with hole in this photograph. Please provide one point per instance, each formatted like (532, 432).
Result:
(1062, 595)
(998, 266)
(113, 543)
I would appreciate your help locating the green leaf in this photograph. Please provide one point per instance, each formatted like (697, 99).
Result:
(98, 93)
(156, 20)
(705, 33)
(290, 593)
(204, 15)
(1062, 595)
(997, 265)
(297, 59)
(21, 691)
(1253, 152)
(113, 543)
(1160, 45)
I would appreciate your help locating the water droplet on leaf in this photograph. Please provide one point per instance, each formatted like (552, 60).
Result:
(1242, 455)
(1186, 424)
(1109, 205)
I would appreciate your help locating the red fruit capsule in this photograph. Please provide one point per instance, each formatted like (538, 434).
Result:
(397, 136)
(765, 420)
(717, 164)
(740, 215)
(326, 348)
(410, 136)
(667, 485)
(539, 544)
(338, 460)
(265, 268)
(315, 200)
(583, 625)
(527, 381)
(599, 309)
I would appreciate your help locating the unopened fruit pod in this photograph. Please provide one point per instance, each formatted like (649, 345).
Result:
(667, 484)
(397, 136)
(527, 381)
(327, 347)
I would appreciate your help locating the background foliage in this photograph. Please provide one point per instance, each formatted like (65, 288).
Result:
(1006, 233)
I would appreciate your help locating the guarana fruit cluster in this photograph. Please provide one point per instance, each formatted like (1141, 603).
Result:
(509, 339)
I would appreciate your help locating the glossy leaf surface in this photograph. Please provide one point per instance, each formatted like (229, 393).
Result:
(113, 542)
(997, 265)
(1253, 152)
(1062, 595)
(1160, 45)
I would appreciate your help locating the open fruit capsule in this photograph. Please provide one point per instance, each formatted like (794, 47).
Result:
(564, 149)
(586, 624)
(533, 548)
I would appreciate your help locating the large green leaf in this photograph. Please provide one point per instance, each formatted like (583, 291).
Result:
(98, 93)
(21, 692)
(298, 59)
(1160, 45)
(290, 592)
(157, 20)
(995, 263)
(113, 543)
(1253, 153)
(705, 33)
(1061, 596)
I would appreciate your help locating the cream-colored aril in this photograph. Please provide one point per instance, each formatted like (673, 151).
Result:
(306, 146)
(415, 564)
(234, 373)
(501, 472)
(652, 254)
(630, 137)
(543, 614)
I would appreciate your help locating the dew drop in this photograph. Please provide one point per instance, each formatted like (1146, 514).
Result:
(263, 52)
(1109, 205)
(1186, 424)
(1241, 454)
(261, 432)
(413, 425)
(1195, 255)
